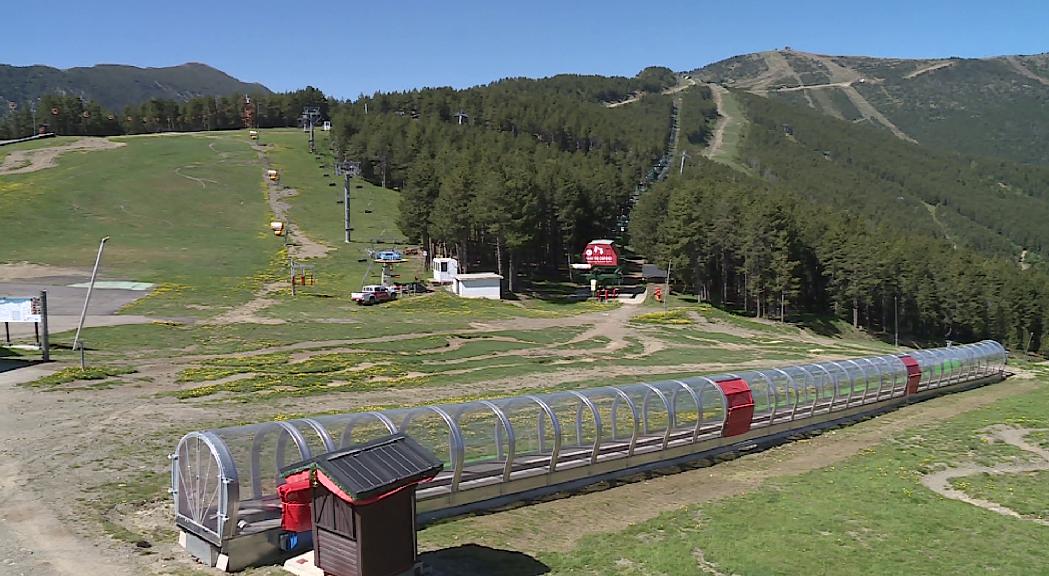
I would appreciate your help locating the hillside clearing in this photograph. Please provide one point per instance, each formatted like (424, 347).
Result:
(27, 161)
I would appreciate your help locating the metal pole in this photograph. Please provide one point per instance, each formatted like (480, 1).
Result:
(90, 287)
(291, 266)
(666, 295)
(83, 362)
(45, 344)
(895, 322)
(346, 204)
(7, 332)
(682, 170)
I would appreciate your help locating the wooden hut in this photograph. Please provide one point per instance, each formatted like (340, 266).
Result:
(363, 505)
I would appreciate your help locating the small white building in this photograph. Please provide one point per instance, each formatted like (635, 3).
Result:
(480, 285)
(444, 270)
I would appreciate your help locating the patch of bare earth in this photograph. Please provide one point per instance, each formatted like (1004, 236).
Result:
(940, 482)
(927, 69)
(26, 161)
(718, 139)
(1025, 71)
(248, 313)
(565, 521)
(26, 271)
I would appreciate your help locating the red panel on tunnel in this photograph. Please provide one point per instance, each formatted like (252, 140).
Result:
(914, 373)
(740, 406)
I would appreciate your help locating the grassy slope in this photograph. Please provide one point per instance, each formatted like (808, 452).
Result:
(206, 242)
(867, 515)
(734, 130)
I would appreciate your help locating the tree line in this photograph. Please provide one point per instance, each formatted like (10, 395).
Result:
(516, 174)
(73, 116)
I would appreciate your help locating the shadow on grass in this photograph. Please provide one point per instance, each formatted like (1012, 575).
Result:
(475, 560)
(822, 325)
(14, 363)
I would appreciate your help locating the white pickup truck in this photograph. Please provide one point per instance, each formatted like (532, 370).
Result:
(373, 294)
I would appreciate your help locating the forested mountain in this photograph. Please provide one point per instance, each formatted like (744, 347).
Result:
(833, 217)
(994, 107)
(516, 173)
(115, 86)
(996, 207)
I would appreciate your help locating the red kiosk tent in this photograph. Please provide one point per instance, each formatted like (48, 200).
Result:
(361, 504)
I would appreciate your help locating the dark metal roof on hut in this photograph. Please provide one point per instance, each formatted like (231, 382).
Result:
(653, 272)
(374, 468)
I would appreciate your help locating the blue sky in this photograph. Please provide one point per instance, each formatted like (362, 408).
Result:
(347, 48)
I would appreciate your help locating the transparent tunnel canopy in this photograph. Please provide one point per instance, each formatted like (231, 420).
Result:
(224, 481)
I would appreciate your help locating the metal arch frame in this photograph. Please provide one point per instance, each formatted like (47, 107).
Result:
(771, 395)
(974, 360)
(670, 413)
(724, 401)
(347, 431)
(596, 451)
(794, 386)
(555, 425)
(983, 363)
(699, 407)
(615, 410)
(852, 384)
(256, 450)
(768, 394)
(815, 386)
(229, 491)
(924, 367)
(892, 374)
(867, 383)
(511, 438)
(457, 449)
(329, 442)
(834, 385)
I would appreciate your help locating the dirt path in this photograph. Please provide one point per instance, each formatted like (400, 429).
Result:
(300, 247)
(688, 83)
(32, 539)
(1025, 71)
(778, 67)
(869, 111)
(26, 161)
(248, 313)
(940, 482)
(927, 69)
(202, 181)
(846, 79)
(558, 525)
(718, 140)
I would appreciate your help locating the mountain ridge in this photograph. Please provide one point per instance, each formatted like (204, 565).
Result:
(115, 86)
(996, 106)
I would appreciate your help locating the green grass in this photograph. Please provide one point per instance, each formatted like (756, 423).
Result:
(733, 134)
(677, 316)
(1025, 492)
(868, 515)
(205, 246)
(75, 374)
